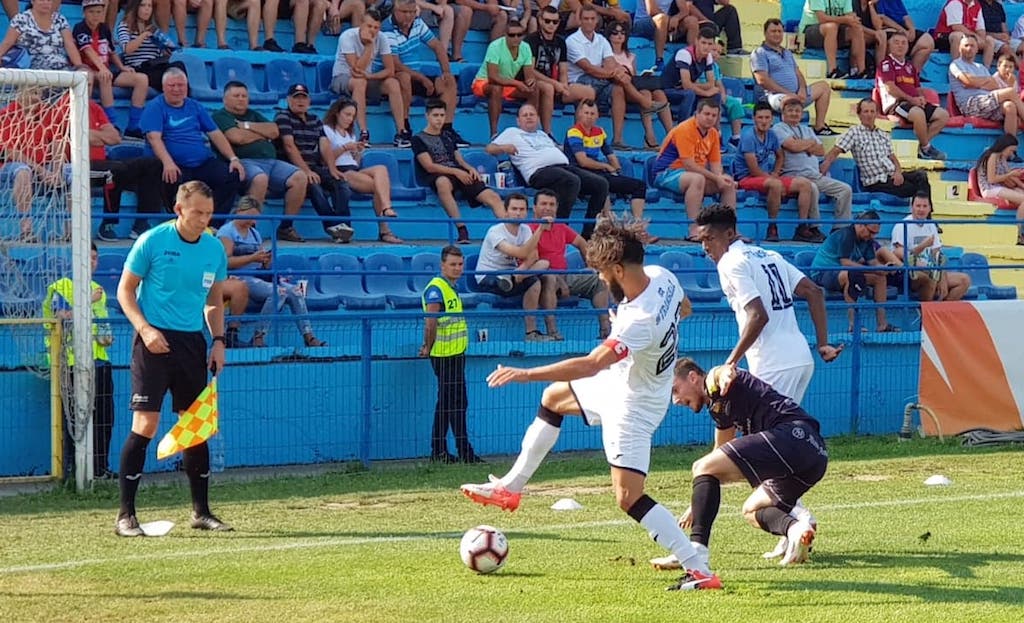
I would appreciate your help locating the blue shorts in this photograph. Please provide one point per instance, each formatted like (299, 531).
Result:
(602, 90)
(10, 170)
(643, 27)
(669, 180)
(828, 279)
(278, 171)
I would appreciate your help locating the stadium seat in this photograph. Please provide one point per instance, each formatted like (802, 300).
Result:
(958, 120)
(342, 277)
(736, 88)
(465, 85)
(399, 191)
(426, 266)
(292, 268)
(108, 274)
(803, 259)
(484, 162)
(976, 266)
(229, 68)
(974, 192)
(386, 275)
(199, 86)
(468, 284)
(323, 80)
(682, 265)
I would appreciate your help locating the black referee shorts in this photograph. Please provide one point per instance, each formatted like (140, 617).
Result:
(182, 371)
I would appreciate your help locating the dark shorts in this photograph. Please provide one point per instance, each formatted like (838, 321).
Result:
(828, 279)
(491, 284)
(469, 192)
(602, 90)
(182, 371)
(787, 460)
(903, 110)
(814, 39)
(625, 186)
(942, 42)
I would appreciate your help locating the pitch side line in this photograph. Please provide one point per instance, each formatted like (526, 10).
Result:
(334, 542)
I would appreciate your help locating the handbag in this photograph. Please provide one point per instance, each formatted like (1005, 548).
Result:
(16, 58)
(647, 82)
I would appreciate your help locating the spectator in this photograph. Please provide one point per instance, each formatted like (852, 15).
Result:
(244, 247)
(440, 166)
(610, 11)
(141, 175)
(593, 63)
(896, 19)
(586, 144)
(303, 143)
(851, 246)
(997, 180)
(880, 170)
(996, 30)
(699, 72)
(871, 22)
(45, 35)
(339, 11)
(144, 47)
(899, 86)
(551, 65)
(648, 87)
(759, 169)
(58, 303)
(831, 24)
(652, 20)
(543, 164)
(803, 148)
(776, 72)
(508, 251)
(251, 136)
(307, 20)
(342, 154)
(445, 338)
(252, 12)
(551, 248)
(408, 35)
(959, 18)
(568, 14)
(96, 45)
(358, 49)
(978, 94)
(451, 22)
(916, 243)
(690, 163)
(176, 128)
(204, 13)
(486, 15)
(497, 79)
(1006, 72)
(725, 20)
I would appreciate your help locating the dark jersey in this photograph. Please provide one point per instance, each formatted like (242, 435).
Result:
(752, 406)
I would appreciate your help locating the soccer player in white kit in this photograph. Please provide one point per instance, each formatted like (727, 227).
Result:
(760, 286)
(624, 384)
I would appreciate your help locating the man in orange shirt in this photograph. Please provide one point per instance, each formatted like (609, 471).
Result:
(690, 163)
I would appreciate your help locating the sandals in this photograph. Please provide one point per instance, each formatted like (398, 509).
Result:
(312, 341)
(389, 238)
(621, 147)
(889, 329)
(655, 109)
(389, 213)
(649, 145)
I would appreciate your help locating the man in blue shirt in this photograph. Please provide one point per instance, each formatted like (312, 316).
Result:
(176, 127)
(852, 246)
(172, 279)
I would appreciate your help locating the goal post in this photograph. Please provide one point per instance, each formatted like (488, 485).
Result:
(44, 137)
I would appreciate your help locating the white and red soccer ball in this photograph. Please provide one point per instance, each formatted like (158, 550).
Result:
(484, 549)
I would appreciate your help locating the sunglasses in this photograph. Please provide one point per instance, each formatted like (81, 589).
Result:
(549, 21)
(515, 35)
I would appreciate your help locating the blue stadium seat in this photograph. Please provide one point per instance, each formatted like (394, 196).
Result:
(294, 267)
(465, 81)
(803, 259)
(385, 275)
(484, 162)
(574, 260)
(468, 284)
(681, 264)
(282, 73)
(199, 85)
(736, 88)
(322, 90)
(125, 151)
(426, 266)
(347, 284)
(108, 274)
(976, 266)
(399, 191)
(228, 68)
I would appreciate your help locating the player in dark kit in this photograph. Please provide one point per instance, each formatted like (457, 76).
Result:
(781, 453)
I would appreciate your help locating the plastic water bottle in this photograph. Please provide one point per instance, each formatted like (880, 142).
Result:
(216, 444)
(163, 41)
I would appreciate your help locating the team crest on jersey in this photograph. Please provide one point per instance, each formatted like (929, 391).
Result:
(799, 433)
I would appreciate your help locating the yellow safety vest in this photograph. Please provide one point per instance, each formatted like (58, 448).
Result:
(452, 333)
(64, 288)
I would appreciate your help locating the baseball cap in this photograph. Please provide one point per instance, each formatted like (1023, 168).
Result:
(88, 3)
(295, 89)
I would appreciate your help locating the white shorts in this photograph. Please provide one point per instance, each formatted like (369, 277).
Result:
(791, 382)
(626, 435)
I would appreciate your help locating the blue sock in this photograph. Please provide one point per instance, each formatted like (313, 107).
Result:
(134, 116)
(111, 114)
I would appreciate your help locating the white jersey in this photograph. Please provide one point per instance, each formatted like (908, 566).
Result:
(748, 272)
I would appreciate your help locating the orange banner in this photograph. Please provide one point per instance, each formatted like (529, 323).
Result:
(972, 365)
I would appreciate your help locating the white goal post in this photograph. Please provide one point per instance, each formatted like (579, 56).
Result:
(75, 85)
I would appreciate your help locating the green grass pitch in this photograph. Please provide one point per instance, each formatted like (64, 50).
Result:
(382, 546)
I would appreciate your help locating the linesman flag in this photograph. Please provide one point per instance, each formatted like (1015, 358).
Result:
(196, 424)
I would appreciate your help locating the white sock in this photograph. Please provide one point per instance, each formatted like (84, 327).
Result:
(540, 437)
(661, 525)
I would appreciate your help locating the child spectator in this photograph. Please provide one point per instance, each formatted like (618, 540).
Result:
(144, 48)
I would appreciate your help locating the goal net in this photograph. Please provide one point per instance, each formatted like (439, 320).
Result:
(44, 237)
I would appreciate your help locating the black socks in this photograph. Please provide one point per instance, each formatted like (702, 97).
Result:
(133, 457)
(774, 520)
(704, 504)
(196, 461)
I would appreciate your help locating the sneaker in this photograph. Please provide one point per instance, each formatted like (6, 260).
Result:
(460, 143)
(271, 46)
(773, 233)
(930, 153)
(303, 48)
(209, 522)
(492, 494)
(805, 234)
(659, 65)
(826, 131)
(537, 336)
(836, 74)
(128, 526)
(800, 536)
(697, 581)
(135, 232)
(341, 232)
(817, 233)
(403, 139)
(666, 563)
(288, 234)
(737, 52)
(107, 233)
(505, 283)
(445, 458)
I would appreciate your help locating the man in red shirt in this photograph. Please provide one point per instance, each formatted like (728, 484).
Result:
(960, 17)
(899, 85)
(551, 247)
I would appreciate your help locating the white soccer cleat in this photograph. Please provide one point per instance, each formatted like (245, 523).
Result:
(666, 563)
(799, 512)
(780, 549)
(801, 536)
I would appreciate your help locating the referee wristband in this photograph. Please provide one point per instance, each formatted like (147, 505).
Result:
(220, 338)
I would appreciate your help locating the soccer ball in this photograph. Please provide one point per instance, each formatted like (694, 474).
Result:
(484, 549)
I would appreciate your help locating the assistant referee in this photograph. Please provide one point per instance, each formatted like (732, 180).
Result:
(172, 279)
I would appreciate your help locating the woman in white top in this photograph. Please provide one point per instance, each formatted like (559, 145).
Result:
(997, 180)
(618, 36)
(343, 163)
